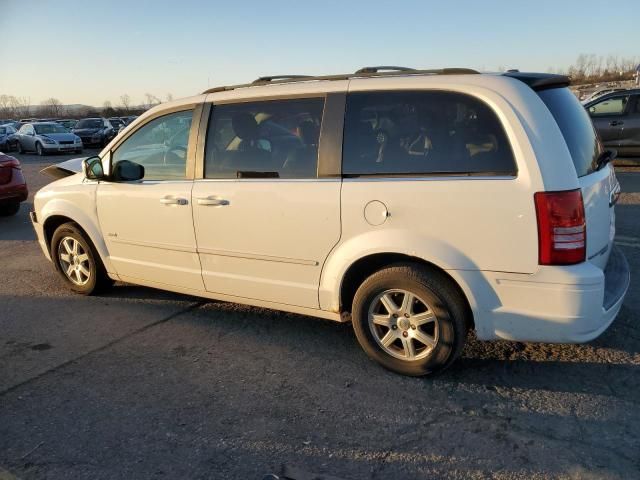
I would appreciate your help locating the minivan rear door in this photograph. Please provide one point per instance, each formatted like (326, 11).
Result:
(599, 186)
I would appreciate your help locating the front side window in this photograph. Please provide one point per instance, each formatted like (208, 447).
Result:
(161, 147)
(427, 132)
(270, 139)
(610, 106)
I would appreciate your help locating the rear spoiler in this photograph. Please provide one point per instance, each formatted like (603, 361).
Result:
(540, 81)
(64, 169)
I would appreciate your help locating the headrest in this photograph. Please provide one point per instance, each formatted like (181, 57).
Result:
(245, 126)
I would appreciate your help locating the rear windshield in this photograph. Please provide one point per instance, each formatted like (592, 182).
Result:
(576, 126)
(89, 123)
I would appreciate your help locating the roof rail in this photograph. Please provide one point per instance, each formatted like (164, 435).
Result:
(365, 72)
(279, 77)
(384, 68)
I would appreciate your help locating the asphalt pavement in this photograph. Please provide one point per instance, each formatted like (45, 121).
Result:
(144, 384)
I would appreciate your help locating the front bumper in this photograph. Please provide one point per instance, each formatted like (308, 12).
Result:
(56, 147)
(572, 304)
(39, 229)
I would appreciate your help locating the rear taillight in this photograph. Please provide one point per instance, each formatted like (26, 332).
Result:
(562, 234)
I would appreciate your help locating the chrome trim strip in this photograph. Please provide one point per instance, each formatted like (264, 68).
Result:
(441, 178)
(268, 180)
(253, 256)
(162, 246)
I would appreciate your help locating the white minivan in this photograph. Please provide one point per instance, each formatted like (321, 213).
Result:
(417, 204)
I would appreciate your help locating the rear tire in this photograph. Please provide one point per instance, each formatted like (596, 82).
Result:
(411, 319)
(77, 261)
(9, 208)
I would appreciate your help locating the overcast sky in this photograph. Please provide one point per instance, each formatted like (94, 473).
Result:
(86, 51)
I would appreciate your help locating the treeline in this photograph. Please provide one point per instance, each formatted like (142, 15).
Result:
(591, 68)
(20, 107)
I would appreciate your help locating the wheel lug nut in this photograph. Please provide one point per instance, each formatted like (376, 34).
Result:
(405, 334)
(395, 315)
(413, 327)
(394, 327)
(406, 315)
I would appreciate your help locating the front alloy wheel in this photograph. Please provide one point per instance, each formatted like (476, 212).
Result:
(77, 261)
(74, 261)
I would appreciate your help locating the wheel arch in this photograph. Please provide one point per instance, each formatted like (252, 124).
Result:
(365, 266)
(57, 213)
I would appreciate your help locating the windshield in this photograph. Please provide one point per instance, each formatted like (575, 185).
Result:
(576, 127)
(49, 128)
(89, 123)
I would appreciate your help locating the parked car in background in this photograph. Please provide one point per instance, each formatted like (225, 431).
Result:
(117, 123)
(47, 137)
(416, 204)
(129, 119)
(7, 137)
(95, 131)
(599, 93)
(616, 117)
(13, 187)
(68, 123)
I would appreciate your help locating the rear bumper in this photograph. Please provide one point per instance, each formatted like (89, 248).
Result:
(16, 189)
(572, 304)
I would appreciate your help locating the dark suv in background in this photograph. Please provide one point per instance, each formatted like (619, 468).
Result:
(616, 117)
(95, 131)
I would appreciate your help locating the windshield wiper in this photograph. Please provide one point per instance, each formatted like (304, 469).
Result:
(604, 158)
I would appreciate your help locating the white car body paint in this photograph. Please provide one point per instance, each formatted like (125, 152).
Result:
(288, 244)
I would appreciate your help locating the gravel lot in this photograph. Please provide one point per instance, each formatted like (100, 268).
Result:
(142, 384)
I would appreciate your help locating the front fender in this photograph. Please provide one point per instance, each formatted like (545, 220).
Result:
(399, 241)
(82, 211)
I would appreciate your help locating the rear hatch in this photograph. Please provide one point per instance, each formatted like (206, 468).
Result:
(599, 186)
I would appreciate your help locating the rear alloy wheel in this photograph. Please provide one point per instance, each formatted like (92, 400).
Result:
(411, 319)
(77, 261)
(39, 149)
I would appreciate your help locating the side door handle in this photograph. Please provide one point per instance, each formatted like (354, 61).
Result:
(213, 202)
(173, 201)
(616, 123)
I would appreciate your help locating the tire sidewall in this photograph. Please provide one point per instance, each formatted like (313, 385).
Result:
(39, 149)
(68, 230)
(443, 350)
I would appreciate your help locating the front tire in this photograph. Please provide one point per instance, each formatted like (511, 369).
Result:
(410, 319)
(39, 149)
(77, 261)
(20, 149)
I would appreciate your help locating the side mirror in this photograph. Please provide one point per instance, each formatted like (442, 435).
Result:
(127, 171)
(92, 168)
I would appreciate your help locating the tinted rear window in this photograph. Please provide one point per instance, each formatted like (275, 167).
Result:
(421, 133)
(576, 126)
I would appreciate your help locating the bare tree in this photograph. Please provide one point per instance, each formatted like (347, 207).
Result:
(150, 101)
(51, 107)
(125, 101)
